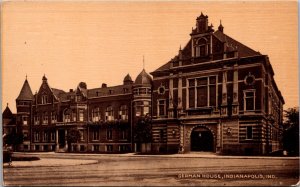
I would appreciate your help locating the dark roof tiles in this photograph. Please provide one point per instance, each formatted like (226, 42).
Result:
(25, 93)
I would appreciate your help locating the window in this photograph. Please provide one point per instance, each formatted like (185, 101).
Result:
(81, 135)
(203, 92)
(45, 118)
(52, 136)
(249, 100)
(96, 134)
(81, 114)
(44, 99)
(37, 120)
(74, 116)
(146, 107)
(78, 98)
(249, 133)
(53, 117)
(45, 137)
(96, 115)
(25, 135)
(24, 120)
(109, 114)
(123, 113)
(109, 134)
(67, 116)
(161, 107)
(96, 148)
(201, 48)
(36, 136)
(123, 134)
(109, 148)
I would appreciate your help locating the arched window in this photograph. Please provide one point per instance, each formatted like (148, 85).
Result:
(123, 112)
(109, 113)
(201, 47)
(67, 115)
(96, 114)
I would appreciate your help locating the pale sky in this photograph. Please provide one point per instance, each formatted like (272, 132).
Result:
(100, 42)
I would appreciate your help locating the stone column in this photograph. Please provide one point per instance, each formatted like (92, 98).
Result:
(219, 138)
(179, 108)
(181, 146)
(56, 140)
(170, 110)
(224, 93)
(235, 102)
(66, 142)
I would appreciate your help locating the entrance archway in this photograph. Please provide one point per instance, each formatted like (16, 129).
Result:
(202, 139)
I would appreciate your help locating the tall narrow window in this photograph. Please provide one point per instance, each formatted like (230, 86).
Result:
(74, 116)
(81, 135)
(96, 134)
(36, 136)
(25, 120)
(45, 136)
(202, 92)
(249, 100)
(81, 115)
(67, 116)
(44, 99)
(249, 133)
(201, 47)
(123, 135)
(109, 134)
(45, 118)
(161, 108)
(109, 114)
(146, 108)
(96, 115)
(123, 112)
(37, 119)
(53, 117)
(191, 93)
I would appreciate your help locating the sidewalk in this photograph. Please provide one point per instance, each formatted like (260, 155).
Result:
(185, 155)
(49, 162)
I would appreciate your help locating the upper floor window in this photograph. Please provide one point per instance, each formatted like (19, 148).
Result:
(67, 116)
(96, 114)
(202, 92)
(249, 100)
(81, 115)
(24, 120)
(142, 108)
(45, 118)
(123, 134)
(109, 114)
(44, 99)
(161, 107)
(201, 47)
(45, 136)
(37, 120)
(123, 112)
(96, 134)
(109, 134)
(53, 117)
(52, 134)
(78, 98)
(36, 136)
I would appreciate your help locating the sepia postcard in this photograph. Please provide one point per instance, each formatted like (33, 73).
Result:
(150, 93)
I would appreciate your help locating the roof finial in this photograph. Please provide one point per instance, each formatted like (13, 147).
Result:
(26, 76)
(180, 47)
(143, 61)
(6, 104)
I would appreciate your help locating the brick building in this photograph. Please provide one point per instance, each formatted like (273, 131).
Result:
(215, 95)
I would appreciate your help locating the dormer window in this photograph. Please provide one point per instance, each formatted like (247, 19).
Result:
(44, 99)
(201, 47)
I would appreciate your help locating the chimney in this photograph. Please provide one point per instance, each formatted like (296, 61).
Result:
(104, 85)
(71, 90)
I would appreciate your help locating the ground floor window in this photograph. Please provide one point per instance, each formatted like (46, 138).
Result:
(109, 148)
(96, 148)
(249, 133)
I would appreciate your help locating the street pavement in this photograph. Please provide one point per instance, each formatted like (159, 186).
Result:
(201, 169)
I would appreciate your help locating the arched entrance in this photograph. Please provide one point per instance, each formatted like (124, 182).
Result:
(202, 139)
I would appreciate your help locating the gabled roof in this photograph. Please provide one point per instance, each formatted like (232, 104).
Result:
(242, 49)
(7, 114)
(25, 93)
(232, 44)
